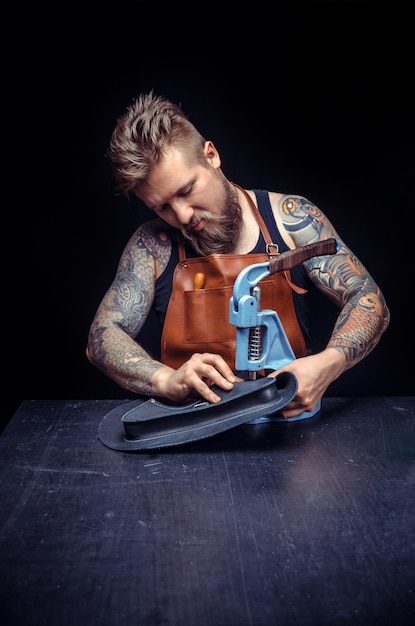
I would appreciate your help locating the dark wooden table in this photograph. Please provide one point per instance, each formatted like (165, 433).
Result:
(308, 523)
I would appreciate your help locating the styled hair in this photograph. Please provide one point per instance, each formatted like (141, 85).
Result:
(142, 135)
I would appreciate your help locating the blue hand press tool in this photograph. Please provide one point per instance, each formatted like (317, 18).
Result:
(261, 341)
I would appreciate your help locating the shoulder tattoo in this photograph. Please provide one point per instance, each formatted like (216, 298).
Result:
(154, 238)
(303, 220)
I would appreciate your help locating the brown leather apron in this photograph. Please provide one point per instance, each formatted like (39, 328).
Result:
(197, 319)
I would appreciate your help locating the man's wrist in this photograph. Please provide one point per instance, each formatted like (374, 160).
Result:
(159, 380)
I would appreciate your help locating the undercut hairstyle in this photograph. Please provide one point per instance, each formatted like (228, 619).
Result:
(142, 135)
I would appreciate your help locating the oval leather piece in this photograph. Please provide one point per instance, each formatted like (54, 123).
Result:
(148, 424)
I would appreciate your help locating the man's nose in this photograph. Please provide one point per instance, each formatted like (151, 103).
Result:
(184, 212)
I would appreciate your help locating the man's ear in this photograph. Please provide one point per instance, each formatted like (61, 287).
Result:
(211, 154)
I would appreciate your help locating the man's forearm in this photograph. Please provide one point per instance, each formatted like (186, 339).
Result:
(359, 327)
(123, 360)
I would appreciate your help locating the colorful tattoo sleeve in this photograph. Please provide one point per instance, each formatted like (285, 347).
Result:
(342, 277)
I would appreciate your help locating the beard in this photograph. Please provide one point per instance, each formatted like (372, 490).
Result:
(220, 232)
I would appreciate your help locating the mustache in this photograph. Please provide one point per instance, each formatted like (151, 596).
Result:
(202, 215)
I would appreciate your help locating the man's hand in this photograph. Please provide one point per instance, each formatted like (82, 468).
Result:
(195, 377)
(314, 374)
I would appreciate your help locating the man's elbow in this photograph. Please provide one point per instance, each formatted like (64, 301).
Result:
(89, 354)
(386, 319)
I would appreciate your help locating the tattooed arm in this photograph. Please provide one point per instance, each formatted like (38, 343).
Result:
(124, 309)
(121, 315)
(364, 315)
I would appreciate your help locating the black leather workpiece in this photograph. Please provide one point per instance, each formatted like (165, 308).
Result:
(309, 522)
(149, 424)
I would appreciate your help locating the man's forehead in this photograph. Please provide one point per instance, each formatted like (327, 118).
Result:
(169, 177)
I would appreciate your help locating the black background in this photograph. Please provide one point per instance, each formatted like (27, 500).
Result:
(312, 98)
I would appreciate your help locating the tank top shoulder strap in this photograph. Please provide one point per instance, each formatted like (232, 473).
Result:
(265, 208)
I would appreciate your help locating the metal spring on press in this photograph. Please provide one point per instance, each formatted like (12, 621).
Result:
(255, 333)
(255, 343)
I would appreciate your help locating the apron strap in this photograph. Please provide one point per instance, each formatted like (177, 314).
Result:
(263, 227)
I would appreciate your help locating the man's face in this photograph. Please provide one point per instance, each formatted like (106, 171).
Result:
(198, 200)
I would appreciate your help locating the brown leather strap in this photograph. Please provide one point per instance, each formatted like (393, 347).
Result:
(259, 219)
(182, 255)
(291, 258)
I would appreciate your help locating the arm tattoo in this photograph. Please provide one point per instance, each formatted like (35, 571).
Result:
(125, 308)
(364, 314)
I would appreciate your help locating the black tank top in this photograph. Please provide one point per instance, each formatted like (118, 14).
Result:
(298, 275)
